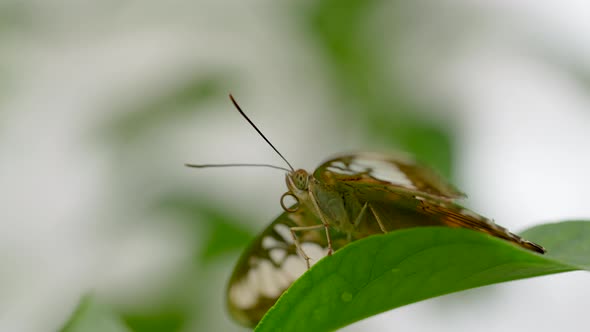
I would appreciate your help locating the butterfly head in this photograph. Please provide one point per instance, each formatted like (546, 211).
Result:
(298, 180)
(298, 184)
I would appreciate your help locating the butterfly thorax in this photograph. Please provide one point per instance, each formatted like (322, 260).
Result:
(334, 207)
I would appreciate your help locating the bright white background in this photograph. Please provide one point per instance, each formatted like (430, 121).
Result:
(524, 145)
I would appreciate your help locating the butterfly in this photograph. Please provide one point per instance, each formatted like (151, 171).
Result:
(345, 199)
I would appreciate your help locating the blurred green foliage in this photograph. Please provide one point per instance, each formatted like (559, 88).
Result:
(368, 91)
(162, 321)
(160, 107)
(14, 16)
(93, 316)
(220, 232)
(357, 71)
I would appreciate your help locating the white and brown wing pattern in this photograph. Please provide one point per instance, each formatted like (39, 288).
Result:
(271, 264)
(398, 171)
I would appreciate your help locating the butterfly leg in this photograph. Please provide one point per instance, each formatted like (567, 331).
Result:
(327, 229)
(381, 225)
(296, 241)
(324, 222)
(358, 219)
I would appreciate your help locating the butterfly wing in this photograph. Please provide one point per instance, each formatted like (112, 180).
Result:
(399, 171)
(402, 194)
(426, 211)
(399, 192)
(271, 263)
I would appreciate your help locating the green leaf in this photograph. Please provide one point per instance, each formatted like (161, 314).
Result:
(387, 271)
(91, 316)
(569, 242)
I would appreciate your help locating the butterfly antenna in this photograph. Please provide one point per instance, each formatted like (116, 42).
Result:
(258, 130)
(235, 165)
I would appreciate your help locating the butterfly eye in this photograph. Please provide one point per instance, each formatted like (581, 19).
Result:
(300, 179)
(292, 208)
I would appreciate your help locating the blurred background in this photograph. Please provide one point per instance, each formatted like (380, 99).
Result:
(101, 104)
